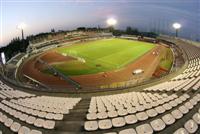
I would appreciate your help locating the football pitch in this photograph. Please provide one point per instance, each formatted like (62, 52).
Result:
(100, 55)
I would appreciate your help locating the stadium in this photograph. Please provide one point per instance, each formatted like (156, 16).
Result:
(89, 64)
(100, 81)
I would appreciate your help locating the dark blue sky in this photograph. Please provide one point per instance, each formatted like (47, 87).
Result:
(42, 15)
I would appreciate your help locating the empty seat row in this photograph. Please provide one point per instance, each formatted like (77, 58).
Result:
(16, 127)
(41, 114)
(38, 122)
(9, 92)
(156, 125)
(165, 104)
(181, 85)
(191, 125)
(138, 100)
(60, 105)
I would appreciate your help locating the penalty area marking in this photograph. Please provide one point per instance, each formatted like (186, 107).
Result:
(78, 58)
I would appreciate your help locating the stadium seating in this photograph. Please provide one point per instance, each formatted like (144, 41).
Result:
(157, 103)
(113, 111)
(172, 106)
(39, 111)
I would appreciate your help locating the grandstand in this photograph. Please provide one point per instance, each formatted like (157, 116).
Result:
(61, 39)
(165, 106)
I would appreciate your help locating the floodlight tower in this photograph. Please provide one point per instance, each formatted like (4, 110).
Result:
(111, 22)
(177, 26)
(22, 26)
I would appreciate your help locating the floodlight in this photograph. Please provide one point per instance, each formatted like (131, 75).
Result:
(3, 58)
(21, 26)
(176, 26)
(111, 21)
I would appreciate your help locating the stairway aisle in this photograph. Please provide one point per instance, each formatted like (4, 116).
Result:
(73, 122)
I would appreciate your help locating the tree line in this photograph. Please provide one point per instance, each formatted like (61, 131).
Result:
(15, 46)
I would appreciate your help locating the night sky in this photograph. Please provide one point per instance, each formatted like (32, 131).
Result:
(146, 15)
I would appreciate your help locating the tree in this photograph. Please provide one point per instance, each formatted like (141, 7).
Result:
(129, 30)
(117, 32)
(81, 29)
(135, 31)
(111, 29)
(53, 30)
(15, 46)
(91, 29)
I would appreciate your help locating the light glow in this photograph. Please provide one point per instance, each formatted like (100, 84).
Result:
(21, 26)
(111, 21)
(3, 58)
(176, 25)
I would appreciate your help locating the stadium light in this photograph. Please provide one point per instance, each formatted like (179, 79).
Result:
(111, 21)
(176, 26)
(22, 26)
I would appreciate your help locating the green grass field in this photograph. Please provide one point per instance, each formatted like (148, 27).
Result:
(101, 55)
(167, 59)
